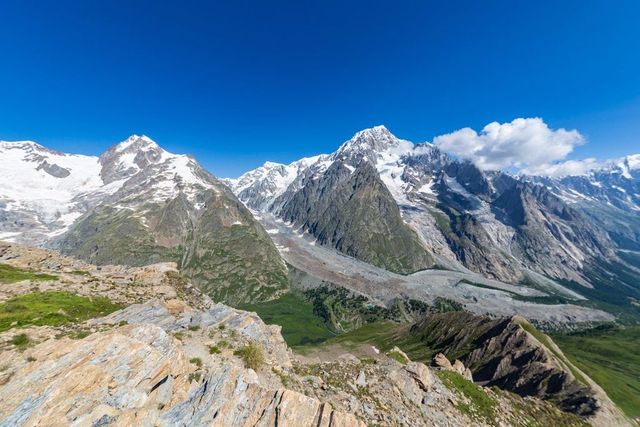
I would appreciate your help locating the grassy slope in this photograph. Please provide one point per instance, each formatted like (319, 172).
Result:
(300, 326)
(479, 404)
(52, 308)
(9, 274)
(612, 359)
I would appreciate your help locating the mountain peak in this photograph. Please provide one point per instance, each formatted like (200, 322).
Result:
(135, 142)
(28, 146)
(130, 156)
(271, 165)
(377, 138)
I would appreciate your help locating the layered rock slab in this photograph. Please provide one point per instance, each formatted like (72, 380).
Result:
(139, 375)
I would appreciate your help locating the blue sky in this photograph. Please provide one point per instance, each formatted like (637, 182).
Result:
(236, 83)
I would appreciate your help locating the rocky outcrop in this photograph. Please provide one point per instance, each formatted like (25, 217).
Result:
(441, 361)
(511, 354)
(139, 375)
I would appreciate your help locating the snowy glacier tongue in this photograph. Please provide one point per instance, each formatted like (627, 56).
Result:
(24, 179)
(43, 182)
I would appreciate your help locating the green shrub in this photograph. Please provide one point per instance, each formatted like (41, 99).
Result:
(80, 273)
(21, 341)
(194, 328)
(195, 376)
(214, 349)
(196, 361)
(284, 378)
(398, 357)
(78, 335)
(252, 355)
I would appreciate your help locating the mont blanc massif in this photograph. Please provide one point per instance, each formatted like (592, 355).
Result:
(387, 283)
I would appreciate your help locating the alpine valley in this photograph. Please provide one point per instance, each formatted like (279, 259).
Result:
(406, 286)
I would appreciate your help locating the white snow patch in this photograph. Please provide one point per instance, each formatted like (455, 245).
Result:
(428, 189)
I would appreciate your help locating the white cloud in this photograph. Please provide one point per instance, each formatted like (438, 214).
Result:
(524, 144)
(568, 168)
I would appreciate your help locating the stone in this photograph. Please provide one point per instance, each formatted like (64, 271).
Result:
(458, 367)
(361, 381)
(441, 361)
(421, 374)
(138, 375)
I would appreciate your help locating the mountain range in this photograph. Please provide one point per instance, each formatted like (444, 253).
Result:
(407, 207)
(396, 252)
(404, 208)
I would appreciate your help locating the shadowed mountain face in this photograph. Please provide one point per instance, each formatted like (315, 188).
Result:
(511, 354)
(141, 205)
(350, 209)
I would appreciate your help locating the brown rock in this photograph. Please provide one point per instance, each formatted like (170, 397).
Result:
(441, 361)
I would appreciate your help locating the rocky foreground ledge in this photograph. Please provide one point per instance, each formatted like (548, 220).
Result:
(173, 357)
(154, 368)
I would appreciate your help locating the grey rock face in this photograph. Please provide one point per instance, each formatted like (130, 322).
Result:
(351, 210)
(138, 375)
(54, 170)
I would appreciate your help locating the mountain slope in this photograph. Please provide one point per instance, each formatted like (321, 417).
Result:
(138, 204)
(609, 195)
(351, 210)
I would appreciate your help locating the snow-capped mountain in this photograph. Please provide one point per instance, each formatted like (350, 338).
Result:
(609, 195)
(42, 192)
(263, 185)
(137, 204)
(502, 226)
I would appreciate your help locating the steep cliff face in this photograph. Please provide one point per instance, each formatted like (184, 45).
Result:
(511, 354)
(550, 236)
(349, 208)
